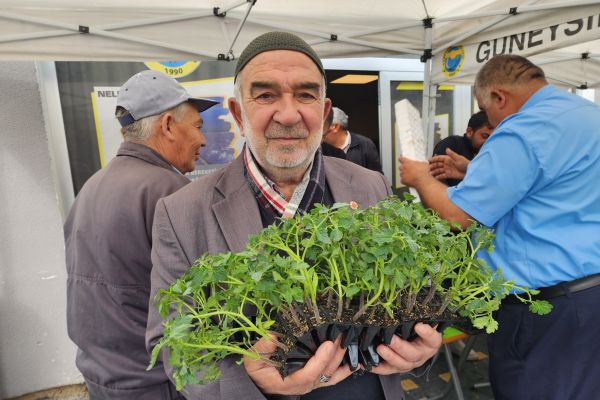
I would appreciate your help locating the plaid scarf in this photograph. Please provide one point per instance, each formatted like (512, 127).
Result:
(309, 191)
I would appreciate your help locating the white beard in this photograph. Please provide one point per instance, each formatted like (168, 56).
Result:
(276, 157)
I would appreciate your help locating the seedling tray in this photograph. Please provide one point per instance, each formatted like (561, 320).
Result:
(360, 342)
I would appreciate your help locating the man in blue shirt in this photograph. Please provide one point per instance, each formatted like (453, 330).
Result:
(535, 184)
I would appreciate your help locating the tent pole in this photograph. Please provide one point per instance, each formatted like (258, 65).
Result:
(154, 21)
(563, 80)
(112, 26)
(429, 92)
(429, 101)
(235, 5)
(412, 24)
(129, 24)
(99, 32)
(104, 27)
(290, 28)
(425, 102)
(40, 21)
(239, 28)
(595, 59)
(170, 46)
(378, 46)
(343, 39)
(557, 5)
(35, 35)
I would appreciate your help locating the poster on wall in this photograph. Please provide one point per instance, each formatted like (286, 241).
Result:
(224, 142)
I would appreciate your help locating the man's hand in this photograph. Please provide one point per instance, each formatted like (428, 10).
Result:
(449, 166)
(326, 362)
(402, 356)
(413, 172)
(432, 192)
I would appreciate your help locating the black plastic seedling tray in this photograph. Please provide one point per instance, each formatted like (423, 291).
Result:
(361, 342)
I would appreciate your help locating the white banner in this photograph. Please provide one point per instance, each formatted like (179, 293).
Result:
(466, 59)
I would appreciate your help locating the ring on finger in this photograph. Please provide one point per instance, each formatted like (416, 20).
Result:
(324, 378)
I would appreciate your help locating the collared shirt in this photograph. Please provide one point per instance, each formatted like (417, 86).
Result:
(268, 191)
(347, 143)
(272, 205)
(176, 170)
(535, 183)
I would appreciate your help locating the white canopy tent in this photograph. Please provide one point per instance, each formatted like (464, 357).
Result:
(562, 36)
(202, 29)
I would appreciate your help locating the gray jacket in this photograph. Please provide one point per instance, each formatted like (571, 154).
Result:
(108, 236)
(216, 214)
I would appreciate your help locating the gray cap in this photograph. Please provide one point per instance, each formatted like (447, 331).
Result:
(277, 41)
(150, 93)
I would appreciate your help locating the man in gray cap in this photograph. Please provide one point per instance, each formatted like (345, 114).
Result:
(108, 236)
(279, 106)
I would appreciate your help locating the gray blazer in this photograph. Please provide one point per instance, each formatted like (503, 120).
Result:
(216, 214)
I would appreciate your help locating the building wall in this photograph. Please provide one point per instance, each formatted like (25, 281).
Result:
(35, 351)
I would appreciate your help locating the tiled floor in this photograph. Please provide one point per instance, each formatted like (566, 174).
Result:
(473, 372)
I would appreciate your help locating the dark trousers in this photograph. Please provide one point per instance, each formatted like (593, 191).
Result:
(551, 357)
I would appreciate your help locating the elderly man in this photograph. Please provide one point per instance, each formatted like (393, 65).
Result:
(535, 184)
(280, 105)
(359, 149)
(108, 237)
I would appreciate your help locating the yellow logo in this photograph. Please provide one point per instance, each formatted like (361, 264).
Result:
(452, 60)
(175, 69)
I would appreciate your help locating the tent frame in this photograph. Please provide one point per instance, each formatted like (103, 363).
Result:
(427, 53)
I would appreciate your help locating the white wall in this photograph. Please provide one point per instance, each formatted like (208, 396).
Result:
(35, 351)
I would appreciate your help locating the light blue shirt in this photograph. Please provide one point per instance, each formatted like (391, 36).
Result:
(536, 184)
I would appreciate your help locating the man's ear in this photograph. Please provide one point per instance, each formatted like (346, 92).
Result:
(498, 96)
(327, 108)
(166, 125)
(336, 126)
(236, 111)
(469, 132)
